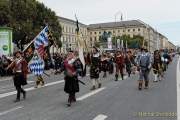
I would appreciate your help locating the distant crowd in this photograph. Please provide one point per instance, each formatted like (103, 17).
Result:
(56, 61)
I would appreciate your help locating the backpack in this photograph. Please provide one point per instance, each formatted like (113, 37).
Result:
(144, 61)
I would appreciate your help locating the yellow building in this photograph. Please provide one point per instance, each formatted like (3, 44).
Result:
(91, 33)
(131, 28)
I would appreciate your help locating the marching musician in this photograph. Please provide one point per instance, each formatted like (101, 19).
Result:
(157, 66)
(120, 64)
(95, 68)
(20, 71)
(71, 71)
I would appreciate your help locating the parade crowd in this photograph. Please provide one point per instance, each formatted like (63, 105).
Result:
(119, 63)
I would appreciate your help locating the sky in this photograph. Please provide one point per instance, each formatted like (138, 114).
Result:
(162, 15)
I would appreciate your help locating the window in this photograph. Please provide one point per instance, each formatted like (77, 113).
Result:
(90, 33)
(95, 38)
(66, 29)
(95, 33)
(118, 30)
(133, 30)
(128, 30)
(90, 38)
(139, 29)
(99, 32)
(123, 30)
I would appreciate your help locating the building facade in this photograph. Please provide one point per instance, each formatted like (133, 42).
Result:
(91, 33)
(131, 28)
(69, 36)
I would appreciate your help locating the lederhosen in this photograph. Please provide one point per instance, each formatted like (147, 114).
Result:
(157, 65)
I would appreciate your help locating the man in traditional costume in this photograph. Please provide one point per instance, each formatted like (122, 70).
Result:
(95, 68)
(120, 64)
(20, 70)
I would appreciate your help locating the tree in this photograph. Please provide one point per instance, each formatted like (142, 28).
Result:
(28, 18)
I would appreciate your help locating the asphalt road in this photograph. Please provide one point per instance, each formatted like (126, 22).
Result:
(119, 100)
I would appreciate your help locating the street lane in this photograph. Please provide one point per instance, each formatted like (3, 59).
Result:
(118, 101)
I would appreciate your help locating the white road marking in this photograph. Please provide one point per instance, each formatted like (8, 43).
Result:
(178, 89)
(90, 94)
(11, 110)
(30, 81)
(30, 89)
(100, 117)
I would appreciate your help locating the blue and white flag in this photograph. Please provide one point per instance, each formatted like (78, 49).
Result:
(36, 65)
(40, 41)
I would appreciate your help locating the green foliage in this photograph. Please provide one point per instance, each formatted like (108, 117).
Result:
(28, 18)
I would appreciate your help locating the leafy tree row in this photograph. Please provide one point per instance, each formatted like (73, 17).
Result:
(28, 18)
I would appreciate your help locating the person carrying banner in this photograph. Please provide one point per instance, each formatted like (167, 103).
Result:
(20, 70)
(120, 64)
(36, 66)
(95, 68)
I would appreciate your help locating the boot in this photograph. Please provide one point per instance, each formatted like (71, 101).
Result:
(42, 83)
(116, 77)
(146, 84)
(122, 76)
(140, 85)
(155, 78)
(24, 95)
(17, 100)
(104, 75)
(69, 101)
(93, 88)
(99, 85)
(37, 83)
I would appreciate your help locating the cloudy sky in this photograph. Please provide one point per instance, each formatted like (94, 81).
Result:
(163, 15)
